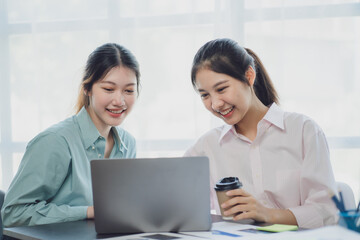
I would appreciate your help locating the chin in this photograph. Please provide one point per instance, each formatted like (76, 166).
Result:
(115, 123)
(118, 123)
(230, 121)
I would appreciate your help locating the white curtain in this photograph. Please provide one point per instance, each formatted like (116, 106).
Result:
(310, 48)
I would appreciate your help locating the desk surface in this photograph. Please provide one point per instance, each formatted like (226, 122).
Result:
(67, 230)
(86, 230)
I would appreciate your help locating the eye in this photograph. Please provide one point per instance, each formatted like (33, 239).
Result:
(204, 95)
(129, 91)
(221, 89)
(108, 89)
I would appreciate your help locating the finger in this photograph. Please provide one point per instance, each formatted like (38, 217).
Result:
(235, 210)
(243, 215)
(235, 201)
(238, 192)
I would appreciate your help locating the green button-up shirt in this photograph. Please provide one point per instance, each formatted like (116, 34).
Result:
(53, 183)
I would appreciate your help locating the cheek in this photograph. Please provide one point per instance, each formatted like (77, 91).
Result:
(99, 99)
(130, 100)
(207, 104)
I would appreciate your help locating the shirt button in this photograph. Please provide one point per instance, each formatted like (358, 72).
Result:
(93, 147)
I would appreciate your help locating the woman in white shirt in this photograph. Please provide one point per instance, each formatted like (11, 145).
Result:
(281, 158)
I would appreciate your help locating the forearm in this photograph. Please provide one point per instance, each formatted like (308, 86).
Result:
(41, 213)
(280, 216)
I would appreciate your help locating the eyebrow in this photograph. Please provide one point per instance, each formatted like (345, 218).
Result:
(110, 82)
(215, 86)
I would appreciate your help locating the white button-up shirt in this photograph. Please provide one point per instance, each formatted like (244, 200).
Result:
(287, 166)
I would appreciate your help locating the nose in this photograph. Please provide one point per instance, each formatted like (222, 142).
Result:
(216, 103)
(119, 99)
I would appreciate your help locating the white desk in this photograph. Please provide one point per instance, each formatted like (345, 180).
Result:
(86, 230)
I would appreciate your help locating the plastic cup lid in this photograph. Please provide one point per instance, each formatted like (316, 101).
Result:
(228, 183)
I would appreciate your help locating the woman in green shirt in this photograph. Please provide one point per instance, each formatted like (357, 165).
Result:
(53, 183)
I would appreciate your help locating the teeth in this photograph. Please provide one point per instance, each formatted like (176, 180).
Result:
(116, 112)
(227, 111)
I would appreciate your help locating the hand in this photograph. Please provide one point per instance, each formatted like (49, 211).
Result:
(245, 206)
(90, 212)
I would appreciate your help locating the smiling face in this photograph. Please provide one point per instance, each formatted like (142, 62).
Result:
(223, 95)
(112, 98)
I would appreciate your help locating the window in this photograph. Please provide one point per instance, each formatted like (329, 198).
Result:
(310, 48)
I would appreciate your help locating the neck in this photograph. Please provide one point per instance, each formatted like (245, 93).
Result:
(106, 133)
(248, 125)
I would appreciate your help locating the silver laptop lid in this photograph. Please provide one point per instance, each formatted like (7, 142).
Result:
(151, 194)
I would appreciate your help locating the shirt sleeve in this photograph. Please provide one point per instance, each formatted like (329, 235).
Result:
(316, 179)
(191, 152)
(41, 173)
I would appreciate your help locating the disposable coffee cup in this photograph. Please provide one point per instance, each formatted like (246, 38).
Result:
(221, 187)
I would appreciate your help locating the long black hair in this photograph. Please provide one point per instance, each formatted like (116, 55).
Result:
(228, 57)
(99, 63)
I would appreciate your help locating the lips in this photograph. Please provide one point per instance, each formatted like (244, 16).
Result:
(116, 111)
(227, 111)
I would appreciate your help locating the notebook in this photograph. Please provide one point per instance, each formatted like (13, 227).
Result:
(151, 195)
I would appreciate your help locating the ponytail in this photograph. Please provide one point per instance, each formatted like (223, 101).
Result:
(263, 86)
(228, 57)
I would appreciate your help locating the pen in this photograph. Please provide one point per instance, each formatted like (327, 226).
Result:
(339, 205)
(342, 200)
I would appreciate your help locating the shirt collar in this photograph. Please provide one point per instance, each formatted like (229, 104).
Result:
(88, 130)
(226, 128)
(275, 116)
(119, 142)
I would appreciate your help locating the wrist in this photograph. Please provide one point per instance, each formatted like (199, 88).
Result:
(281, 216)
(270, 215)
(90, 212)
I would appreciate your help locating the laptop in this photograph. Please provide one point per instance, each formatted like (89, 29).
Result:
(151, 195)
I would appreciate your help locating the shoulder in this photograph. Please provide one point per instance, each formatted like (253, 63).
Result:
(213, 134)
(207, 141)
(50, 148)
(301, 121)
(57, 133)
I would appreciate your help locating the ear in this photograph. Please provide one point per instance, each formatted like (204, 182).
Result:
(250, 75)
(87, 93)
